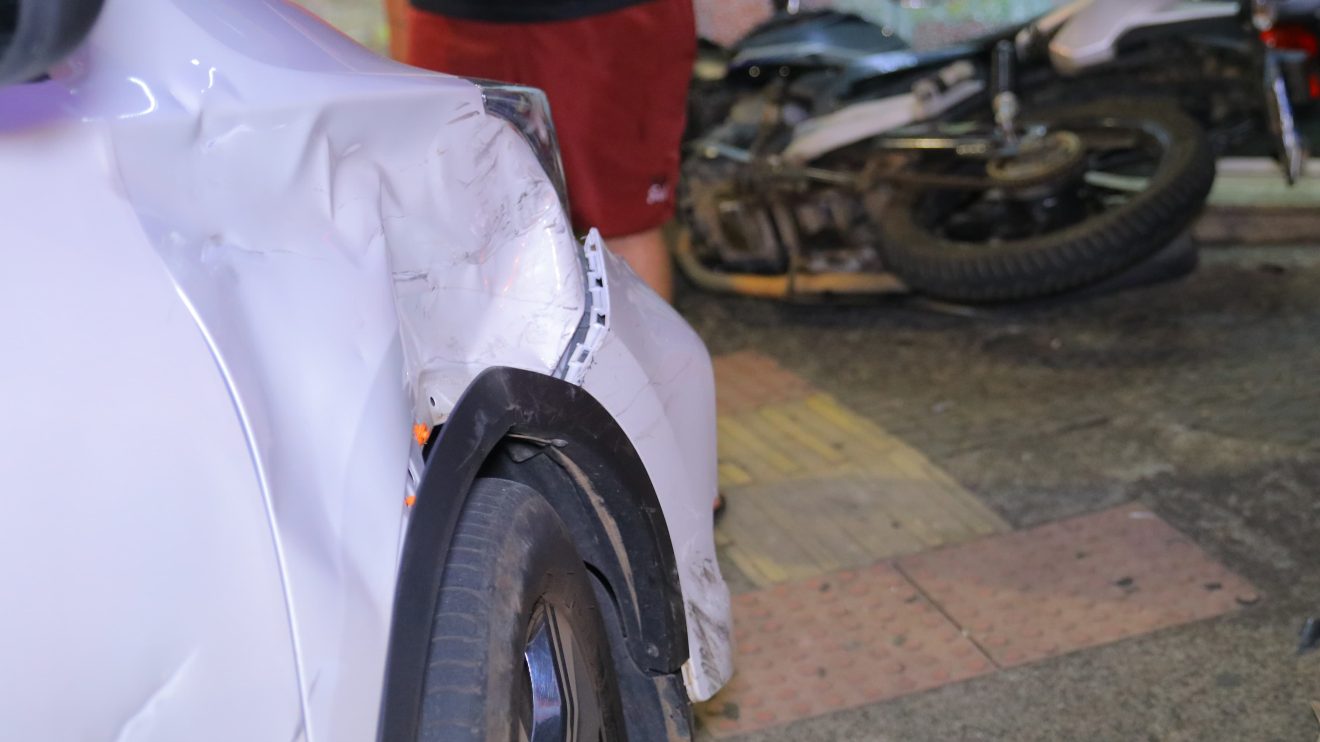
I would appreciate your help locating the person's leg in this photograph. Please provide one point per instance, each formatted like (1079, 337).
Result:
(460, 47)
(617, 85)
(648, 255)
(397, 13)
(618, 93)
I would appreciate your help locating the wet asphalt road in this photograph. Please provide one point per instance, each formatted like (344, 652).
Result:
(1199, 398)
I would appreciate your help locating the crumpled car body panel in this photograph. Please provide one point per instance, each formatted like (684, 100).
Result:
(244, 257)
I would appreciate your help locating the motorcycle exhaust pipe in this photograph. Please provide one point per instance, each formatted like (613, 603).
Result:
(784, 286)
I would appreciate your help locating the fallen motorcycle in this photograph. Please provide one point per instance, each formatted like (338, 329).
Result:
(850, 164)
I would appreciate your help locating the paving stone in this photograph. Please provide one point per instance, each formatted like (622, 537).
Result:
(813, 487)
(832, 642)
(1076, 583)
(746, 380)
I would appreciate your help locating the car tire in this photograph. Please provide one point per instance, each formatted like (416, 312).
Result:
(519, 649)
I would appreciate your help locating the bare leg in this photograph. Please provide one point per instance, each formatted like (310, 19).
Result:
(397, 13)
(648, 255)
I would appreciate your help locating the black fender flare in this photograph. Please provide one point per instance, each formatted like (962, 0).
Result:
(560, 435)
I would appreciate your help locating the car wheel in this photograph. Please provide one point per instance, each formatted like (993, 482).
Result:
(519, 650)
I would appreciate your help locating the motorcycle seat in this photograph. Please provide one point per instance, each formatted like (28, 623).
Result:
(815, 39)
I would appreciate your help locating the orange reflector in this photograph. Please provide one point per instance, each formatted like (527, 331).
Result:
(422, 433)
(409, 500)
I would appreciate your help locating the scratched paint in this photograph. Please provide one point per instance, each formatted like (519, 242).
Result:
(309, 249)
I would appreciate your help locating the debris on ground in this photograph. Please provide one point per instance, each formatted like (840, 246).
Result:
(1310, 636)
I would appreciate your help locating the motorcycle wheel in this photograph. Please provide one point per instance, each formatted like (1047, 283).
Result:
(1145, 173)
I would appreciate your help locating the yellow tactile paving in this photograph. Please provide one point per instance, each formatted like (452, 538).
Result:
(837, 523)
(814, 487)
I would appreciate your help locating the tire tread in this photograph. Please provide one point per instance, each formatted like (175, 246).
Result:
(1072, 258)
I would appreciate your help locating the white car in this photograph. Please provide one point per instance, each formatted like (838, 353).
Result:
(319, 423)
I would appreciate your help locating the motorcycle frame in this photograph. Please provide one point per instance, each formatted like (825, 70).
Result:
(1081, 36)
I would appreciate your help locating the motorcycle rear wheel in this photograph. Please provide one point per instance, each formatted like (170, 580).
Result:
(986, 247)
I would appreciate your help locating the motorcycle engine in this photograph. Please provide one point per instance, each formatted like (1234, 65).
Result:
(747, 217)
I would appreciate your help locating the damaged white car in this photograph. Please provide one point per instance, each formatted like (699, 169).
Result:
(319, 422)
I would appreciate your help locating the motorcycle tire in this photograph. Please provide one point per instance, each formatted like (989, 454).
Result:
(1074, 256)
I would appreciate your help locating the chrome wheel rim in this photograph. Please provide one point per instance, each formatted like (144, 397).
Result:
(559, 702)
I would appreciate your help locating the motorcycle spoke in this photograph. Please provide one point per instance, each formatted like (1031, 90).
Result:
(1116, 182)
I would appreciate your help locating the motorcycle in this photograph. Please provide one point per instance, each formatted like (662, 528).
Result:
(844, 162)
(1239, 68)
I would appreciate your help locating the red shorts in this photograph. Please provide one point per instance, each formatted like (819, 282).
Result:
(617, 84)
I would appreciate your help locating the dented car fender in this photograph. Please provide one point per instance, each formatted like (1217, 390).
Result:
(286, 252)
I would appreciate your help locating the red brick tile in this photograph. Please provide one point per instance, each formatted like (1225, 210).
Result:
(1077, 583)
(747, 380)
(833, 642)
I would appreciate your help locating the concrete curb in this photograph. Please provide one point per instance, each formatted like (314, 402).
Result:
(1252, 204)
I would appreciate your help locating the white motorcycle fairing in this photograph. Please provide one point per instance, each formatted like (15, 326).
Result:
(857, 122)
(1090, 30)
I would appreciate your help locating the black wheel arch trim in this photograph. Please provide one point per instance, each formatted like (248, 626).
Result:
(556, 437)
